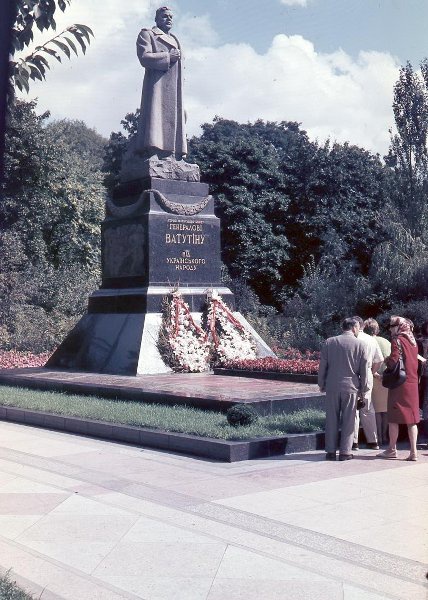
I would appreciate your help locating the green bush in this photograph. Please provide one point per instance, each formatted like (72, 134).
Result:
(240, 415)
(41, 306)
(303, 333)
(327, 293)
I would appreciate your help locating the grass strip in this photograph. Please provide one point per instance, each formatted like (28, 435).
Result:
(9, 590)
(179, 419)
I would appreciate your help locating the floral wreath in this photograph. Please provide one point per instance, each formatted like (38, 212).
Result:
(186, 347)
(182, 344)
(230, 340)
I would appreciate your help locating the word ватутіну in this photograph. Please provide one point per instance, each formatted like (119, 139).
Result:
(184, 238)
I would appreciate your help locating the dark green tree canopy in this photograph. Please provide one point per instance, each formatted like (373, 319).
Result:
(50, 216)
(284, 199)
(52, 197)
(82, 140)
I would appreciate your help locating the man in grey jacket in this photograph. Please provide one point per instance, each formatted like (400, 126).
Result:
(343, 375)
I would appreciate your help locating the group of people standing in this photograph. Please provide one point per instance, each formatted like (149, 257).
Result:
(350, 373)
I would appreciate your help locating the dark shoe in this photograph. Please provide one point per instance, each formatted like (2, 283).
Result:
(345, 456)
(330, 456)
(372, 446)
(355, 447)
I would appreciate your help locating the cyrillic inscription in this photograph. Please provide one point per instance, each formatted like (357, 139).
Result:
(190, 233)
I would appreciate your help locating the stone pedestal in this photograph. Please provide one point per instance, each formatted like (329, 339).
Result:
(158, 234)
(161, 232)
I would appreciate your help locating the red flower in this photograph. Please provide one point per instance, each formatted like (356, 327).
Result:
(296, 363)
(12, 359)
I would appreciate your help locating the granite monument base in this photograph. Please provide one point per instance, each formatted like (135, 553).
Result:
(158, 234)
(123, 344)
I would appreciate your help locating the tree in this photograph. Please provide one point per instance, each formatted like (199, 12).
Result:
(82, 140)
(399, 270)
(408, 153)
(304, 200)
(116, 147)
(51, 195)
(40, 13)
(340, 207)
(50, 217)
(241, 162)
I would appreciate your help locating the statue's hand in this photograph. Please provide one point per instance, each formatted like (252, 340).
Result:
(174, 55)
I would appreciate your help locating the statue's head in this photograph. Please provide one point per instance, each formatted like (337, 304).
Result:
(163, 18)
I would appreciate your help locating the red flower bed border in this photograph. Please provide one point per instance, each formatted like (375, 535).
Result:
(299, 363)
(12, 359)
(301, 366)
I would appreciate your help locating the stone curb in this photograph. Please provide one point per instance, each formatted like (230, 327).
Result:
(221, 450)
(273, 375)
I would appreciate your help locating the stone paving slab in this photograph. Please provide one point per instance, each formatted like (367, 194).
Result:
(106, 520)
(203, 390)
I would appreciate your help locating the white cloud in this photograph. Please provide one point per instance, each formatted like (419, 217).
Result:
(332, 95)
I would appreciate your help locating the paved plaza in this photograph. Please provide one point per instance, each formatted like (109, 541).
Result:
(88, 519)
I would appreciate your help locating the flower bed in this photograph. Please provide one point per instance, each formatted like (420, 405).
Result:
(299, 365)
(294, 354)
(11, 359)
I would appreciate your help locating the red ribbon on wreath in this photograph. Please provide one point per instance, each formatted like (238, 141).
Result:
(179, 303)
(231, 318)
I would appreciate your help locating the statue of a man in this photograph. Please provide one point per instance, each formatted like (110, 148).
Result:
(161, 130)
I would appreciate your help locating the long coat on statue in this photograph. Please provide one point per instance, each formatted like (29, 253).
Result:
(161, 123)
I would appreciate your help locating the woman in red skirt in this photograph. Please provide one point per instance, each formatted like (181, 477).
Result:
(403, 401)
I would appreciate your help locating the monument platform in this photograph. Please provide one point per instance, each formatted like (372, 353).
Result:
(201, 390)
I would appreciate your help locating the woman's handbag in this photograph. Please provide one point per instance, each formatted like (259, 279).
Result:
(395, 376)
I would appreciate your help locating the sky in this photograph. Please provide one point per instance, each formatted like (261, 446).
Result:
(328, 64)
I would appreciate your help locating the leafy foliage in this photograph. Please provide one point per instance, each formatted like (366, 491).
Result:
(241, 163)
(53, 204)
(399, 270)
(41, 14)
(82, 140)
(283, 199)
(52, 198)
(116, 147)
